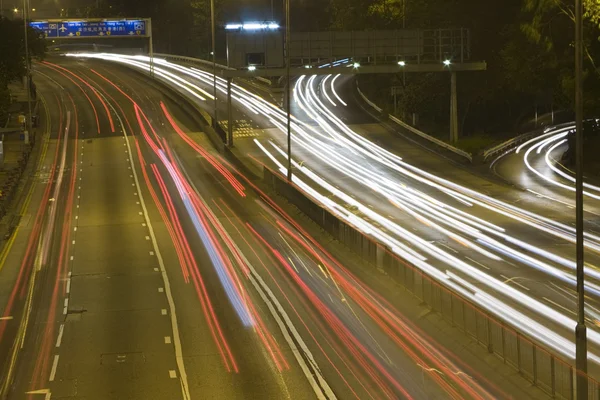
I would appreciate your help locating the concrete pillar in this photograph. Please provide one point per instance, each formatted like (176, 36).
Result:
(453, 109)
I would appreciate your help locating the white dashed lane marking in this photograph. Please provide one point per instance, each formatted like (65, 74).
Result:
(60, 335)
(54, 366)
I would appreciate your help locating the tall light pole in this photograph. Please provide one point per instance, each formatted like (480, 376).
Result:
(403, 27)
(289, 88)
(214, 60)
(580, 329)
(27, 67)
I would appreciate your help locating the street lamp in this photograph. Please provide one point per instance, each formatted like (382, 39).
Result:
(214, 60)
(447, 63)
(580, 329)
(27, 66)
(402, 63)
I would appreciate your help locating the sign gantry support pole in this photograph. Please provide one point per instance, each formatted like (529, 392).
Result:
(580, 329)
(453, 109)
(151, 47)
(214, 60)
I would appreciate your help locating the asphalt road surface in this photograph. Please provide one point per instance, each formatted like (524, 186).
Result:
(520, 253)
(145, 266)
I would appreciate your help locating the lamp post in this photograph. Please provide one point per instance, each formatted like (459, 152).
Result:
(287, 92)
(214, 60)
(580, 329)
(27, 68)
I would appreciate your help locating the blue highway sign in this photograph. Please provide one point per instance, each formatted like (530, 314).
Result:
(91, 28)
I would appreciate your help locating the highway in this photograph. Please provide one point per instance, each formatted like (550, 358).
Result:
(537, 166)
(146, 266)
(506, 249)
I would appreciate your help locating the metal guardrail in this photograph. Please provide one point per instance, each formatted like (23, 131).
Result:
(204, 63)
(369, 102)
(536, 364)
(505, 146)
(264, 80)
(436, 141)
(414, 130)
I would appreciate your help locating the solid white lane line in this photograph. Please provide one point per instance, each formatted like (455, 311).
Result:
(513, 280)
(60, 334)
(559, 306)
(477, 262)
(448, 247)
(54, 366)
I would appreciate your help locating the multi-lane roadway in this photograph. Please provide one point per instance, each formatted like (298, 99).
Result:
(145, 266)
(509, 250)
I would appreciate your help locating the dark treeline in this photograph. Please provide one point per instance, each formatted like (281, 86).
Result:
(12, 56)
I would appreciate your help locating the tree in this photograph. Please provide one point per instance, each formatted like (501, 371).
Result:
(12, 56)
(547, 15)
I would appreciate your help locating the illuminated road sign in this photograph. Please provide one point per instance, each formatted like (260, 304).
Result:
(92, 28)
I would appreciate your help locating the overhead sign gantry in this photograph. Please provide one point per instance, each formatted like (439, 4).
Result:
(97, 28)
(93, 28)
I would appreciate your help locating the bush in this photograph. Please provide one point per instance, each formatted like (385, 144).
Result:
(476, 143)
